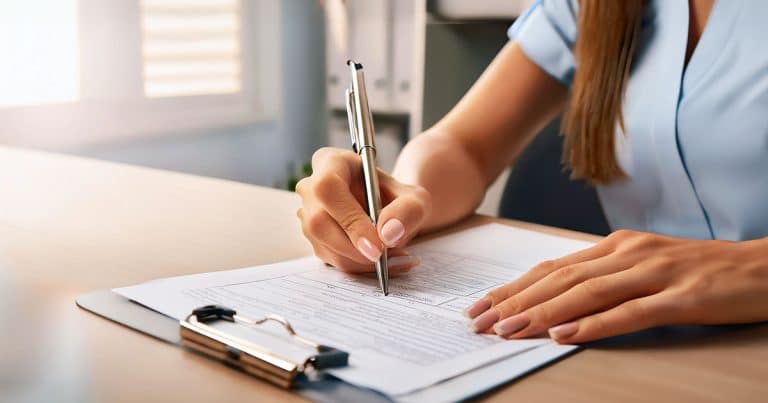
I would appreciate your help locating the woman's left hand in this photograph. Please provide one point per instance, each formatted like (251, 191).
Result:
(628, 282)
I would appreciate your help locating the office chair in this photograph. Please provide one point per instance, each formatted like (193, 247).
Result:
(539, 189)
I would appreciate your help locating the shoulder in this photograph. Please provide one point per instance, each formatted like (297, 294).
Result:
(558, 13)
(546, 32)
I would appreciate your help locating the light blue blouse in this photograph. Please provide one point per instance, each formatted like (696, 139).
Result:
(696, 143)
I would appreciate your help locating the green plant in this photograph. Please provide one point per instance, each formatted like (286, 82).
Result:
(294, 178)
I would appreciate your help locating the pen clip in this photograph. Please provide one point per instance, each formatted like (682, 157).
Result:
(351, 120)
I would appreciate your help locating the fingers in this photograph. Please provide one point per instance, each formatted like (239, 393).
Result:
(631, 316)
(400, 261)
(322, 229)
(329, 189)
(334, 195)
(587, 297)
(537, 273)
(334, 218)
(558, 282)
(342, 162)
(400, 219)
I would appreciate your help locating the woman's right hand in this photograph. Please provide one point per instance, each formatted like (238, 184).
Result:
(336, 223)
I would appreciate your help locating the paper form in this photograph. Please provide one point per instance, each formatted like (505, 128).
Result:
(398, 344)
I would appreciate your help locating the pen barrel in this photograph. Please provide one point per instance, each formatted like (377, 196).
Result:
(363, 118)
(373, 201)
(361, 130)
(371, 177)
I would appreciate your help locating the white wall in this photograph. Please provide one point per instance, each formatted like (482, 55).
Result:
(259, 153)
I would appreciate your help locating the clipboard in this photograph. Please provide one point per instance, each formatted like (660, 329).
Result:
(123, 311)
(326, 388)
(198, 335)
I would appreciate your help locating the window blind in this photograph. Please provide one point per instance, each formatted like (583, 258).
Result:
(191, 47)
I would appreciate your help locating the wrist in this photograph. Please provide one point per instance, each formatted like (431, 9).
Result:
(754, 250)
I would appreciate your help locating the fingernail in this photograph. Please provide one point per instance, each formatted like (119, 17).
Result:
(511, 324)
(392, 231)
(485, 320)
(403, 262)
(563, 331)
(478, 307)
(368, 249)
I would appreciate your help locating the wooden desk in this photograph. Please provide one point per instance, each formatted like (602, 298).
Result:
(71, 225)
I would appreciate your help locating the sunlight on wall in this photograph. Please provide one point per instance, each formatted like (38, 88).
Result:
(40, 52)
(191, 47)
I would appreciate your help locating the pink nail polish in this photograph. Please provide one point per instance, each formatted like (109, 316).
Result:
(485, 320)
(368, 249)
(512, 324)
(478, 307)
(563, 331)
(392, 231)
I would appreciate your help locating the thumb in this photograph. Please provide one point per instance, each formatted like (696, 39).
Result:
(401, 219)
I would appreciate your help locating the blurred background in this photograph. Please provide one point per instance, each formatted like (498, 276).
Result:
(243, 90)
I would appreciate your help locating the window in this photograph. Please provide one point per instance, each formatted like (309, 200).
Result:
(40, 60)
(75, 72)
(190, 47)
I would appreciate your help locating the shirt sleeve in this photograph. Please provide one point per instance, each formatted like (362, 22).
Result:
(546, 32)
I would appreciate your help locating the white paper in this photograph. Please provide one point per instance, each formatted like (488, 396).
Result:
(399, 344)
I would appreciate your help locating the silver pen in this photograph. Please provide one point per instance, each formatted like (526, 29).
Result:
(361, 132)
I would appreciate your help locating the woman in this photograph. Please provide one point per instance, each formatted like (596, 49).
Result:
(668, 119)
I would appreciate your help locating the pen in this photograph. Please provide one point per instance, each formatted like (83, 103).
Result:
(361, 132)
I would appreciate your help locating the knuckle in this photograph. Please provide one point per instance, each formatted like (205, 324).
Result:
(494, 295)
(648, 240)
(326, 188)
(643, 241)
(315, 224)
(642, 312)
(325, 154)
(543, 315)
(660, 263)
(595, 287)
(354, 223)
(621, 234)
(498, 295)
(635, 310)
(544, 268)
(567, 275)
(508, 307)
(596, 325)
(322, 154)
(622, 238)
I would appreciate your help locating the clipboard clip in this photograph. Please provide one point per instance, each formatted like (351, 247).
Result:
(197, 335)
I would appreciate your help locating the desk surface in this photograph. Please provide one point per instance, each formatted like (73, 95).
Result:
(71, 225)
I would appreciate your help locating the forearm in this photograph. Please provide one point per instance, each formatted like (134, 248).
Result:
(440, 164)
(458, 158)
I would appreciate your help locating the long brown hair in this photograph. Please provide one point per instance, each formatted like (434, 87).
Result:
(605, 43)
